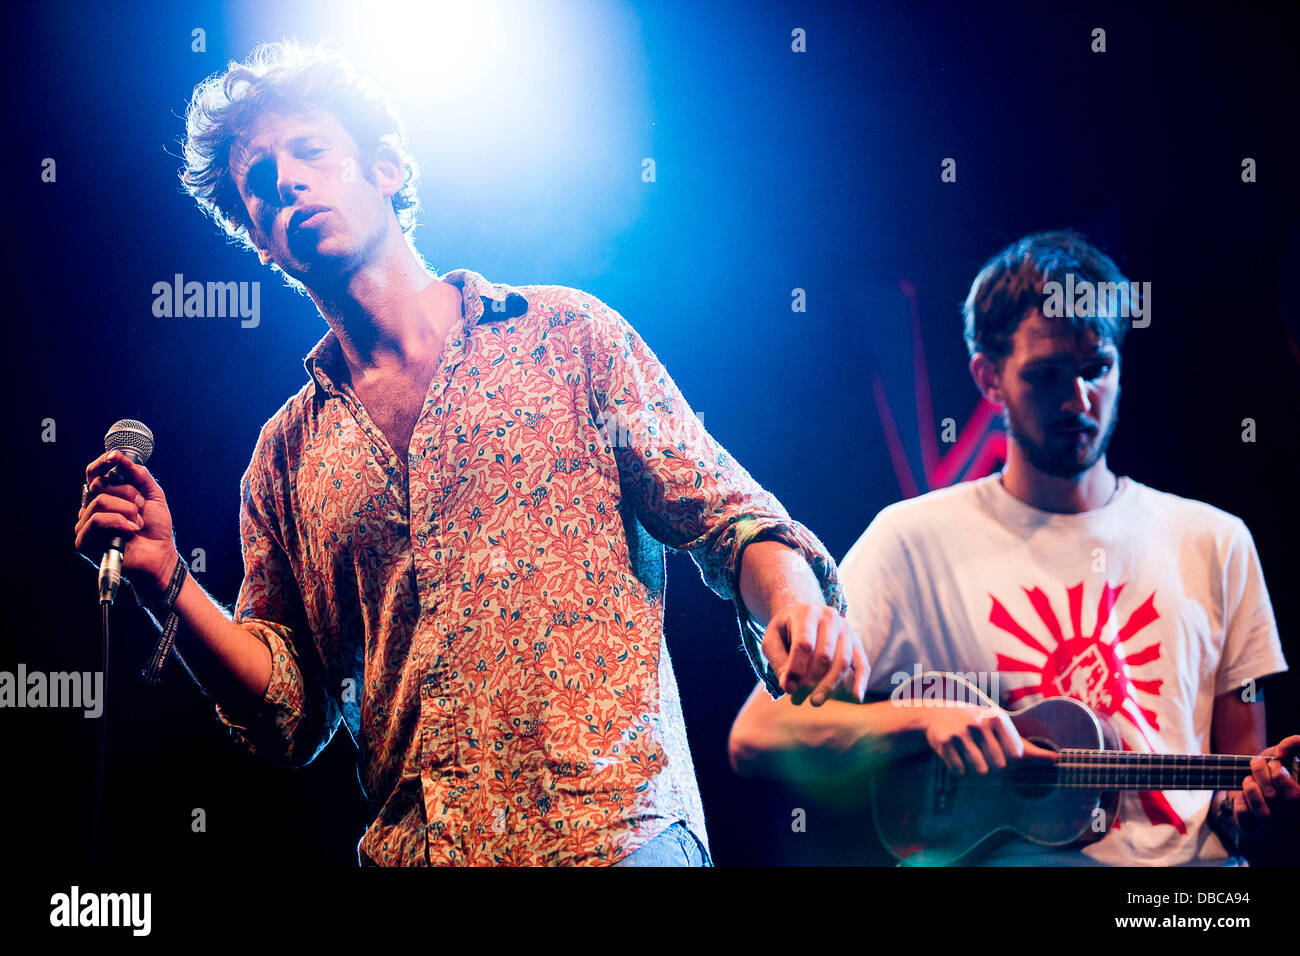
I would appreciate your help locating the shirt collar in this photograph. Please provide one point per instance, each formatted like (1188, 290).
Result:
(483, 302)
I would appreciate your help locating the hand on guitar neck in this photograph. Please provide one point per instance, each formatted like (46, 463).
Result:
(1267, 807)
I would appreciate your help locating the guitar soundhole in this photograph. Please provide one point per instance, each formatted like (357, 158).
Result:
(1034, 781)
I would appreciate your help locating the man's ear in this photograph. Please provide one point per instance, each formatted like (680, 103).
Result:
(386, 170)
(986, 376)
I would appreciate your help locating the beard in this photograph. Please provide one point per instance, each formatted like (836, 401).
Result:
(1054, 457)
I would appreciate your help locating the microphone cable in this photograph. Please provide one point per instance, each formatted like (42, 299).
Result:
(97, 808)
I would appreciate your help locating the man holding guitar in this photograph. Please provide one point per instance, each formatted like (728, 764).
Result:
(1059, 579)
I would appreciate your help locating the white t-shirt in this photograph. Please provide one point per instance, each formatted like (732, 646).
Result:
(1145, 609)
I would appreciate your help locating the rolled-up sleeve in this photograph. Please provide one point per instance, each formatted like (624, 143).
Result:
(297, 717)
(689, 493)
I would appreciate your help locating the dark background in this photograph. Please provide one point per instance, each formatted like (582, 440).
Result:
(775, 170)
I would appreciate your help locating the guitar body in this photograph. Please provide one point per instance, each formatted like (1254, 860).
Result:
(926, 816)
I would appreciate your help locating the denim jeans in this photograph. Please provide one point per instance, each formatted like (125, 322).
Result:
(676, 846)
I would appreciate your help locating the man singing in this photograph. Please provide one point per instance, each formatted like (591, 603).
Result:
(1064, 579)
(452, 533)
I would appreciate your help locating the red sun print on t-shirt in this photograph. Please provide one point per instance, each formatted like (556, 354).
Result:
(1091, 669)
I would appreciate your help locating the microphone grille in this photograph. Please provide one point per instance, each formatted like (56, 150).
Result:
(128, 434)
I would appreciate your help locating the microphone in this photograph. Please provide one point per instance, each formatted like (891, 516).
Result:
(135, 441)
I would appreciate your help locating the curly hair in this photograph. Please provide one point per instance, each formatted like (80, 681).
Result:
(292, 77)
(1010, 285)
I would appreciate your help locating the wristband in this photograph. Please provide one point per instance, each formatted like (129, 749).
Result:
(153, 672)
(1224, 823)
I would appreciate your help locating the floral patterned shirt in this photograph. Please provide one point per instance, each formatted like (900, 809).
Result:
(490, 629)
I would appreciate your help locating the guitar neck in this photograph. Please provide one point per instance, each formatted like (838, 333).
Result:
(1125, 770)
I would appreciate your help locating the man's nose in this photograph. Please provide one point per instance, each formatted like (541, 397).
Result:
(1080, 401)
(290, 183)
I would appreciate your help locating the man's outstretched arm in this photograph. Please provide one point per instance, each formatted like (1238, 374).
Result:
(692, 495)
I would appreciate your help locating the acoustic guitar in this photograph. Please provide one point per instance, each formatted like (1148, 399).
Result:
(928, 816)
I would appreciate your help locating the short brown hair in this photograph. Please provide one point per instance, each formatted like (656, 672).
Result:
(292, 77)
(1010, 286)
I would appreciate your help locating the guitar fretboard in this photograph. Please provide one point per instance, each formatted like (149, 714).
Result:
(1125, 770)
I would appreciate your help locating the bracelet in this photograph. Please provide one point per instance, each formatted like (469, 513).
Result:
(1224, 823)
(153, 672)
(754, 648)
